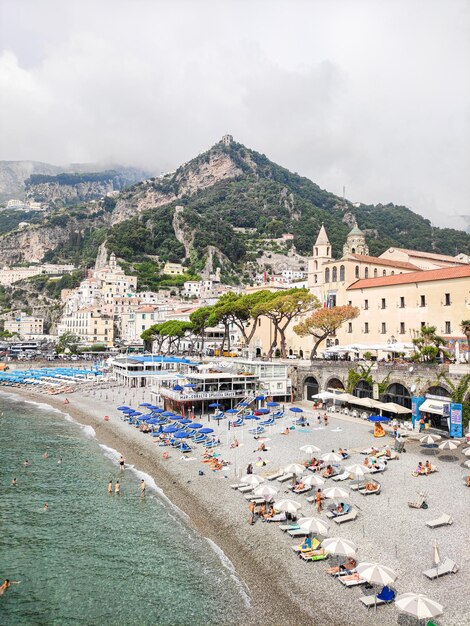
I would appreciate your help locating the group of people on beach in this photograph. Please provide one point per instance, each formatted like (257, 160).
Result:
(117, 484)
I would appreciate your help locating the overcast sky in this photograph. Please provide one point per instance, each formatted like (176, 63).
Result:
(370, 94)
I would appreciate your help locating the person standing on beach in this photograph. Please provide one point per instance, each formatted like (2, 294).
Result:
(325, 420)
(142, 487)
(249, 469)
(318, 500)
(122, 460)
(110, 486)
(319, 419)
(252, 508)
(117, 488)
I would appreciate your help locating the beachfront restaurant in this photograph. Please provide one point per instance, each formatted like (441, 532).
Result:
(138, 371)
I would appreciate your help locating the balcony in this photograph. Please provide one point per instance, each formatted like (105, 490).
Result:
(183, 396)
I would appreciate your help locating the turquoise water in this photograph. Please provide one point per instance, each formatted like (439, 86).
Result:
(93, 557)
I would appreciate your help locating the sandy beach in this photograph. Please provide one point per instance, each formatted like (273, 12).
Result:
(283, 588)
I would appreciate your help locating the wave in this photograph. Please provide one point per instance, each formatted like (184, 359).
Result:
(227, 563)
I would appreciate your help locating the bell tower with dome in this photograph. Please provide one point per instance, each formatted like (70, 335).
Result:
(321, 254)
(355, 242)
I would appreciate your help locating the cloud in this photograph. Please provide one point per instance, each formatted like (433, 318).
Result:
(370, 95)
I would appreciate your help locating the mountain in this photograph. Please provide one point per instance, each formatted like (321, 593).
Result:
(71, 183)
(226, 208)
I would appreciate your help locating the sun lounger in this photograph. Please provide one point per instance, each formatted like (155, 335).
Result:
(258, 430)
(349, 517)
(236, 423)
(304, 490)
(376, 469)
(279, 517)
(268, 422)
(311, 499)
(245, 489)
(346, 510)
(285, 477)
(286, 527)
(339, 477)
(352, 580)
(316, 555)
(442, 520)
(255, 499)
(386, 596)
(446, 567)
(420, 502)
(237, 485)
(275, 476)
(297, 533)
(370, 492)
(311, 544)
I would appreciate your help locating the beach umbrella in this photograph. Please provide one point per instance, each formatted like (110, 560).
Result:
(214, 405)
(244, 404)
(180, 435)
(272, 404)
(336, 545)
(334, 493)
(313, 525)
(296, 409)
(185, 421)
(331, 457)
(378, 418)
(294, 468)
(449, 445)
(170, 429)
(466, 451)
(263, 411)
(146, 405)
(314, 481)
(376, 573)
(206, 431)
(178, 388)
(251, 479)
(357, 470)
(122, 408)
(190, 385)
(232, 411)
(251, 417)
(196, 425)
(259, 398)
(152, 421)
(418, 605)
(467, 463)
(265, 491)
(288, 506)
(430, 439)
(310, 449)
(167, 414)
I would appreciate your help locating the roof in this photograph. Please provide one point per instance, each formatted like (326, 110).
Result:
(322, 238)
(430, 255)
(364, 258)
(355, 231)
(423, 276)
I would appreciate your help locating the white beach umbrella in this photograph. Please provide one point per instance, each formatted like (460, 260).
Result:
(376, 573)
(288, 506)
(418, 605)
(436, 556)
(449, 445)
(336, 545)
(251, 479)
(467, 463)
(313, 525)
(331, 457)
(466, 451)
(309, 449)
(294, 468)
(314, 481)
(357, 470)
(265, 491)
(335, 493)
(430, 439)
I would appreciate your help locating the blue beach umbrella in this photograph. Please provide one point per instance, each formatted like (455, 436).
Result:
(196, 425)
(259, 398)
(251, 417)
(232, 411)
(122, 408)
(243, 404)
(185, 421)
(263, 411)
(152, 421)
(190, 385)
(272, 403)
(378, 418)
(180, 435)
(168, 414)
(206, 431)
(146, 405)
(178, 388)
(170, 429)
(296, 409)
(214, 405)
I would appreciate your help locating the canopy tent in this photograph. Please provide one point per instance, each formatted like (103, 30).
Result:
(436, 407)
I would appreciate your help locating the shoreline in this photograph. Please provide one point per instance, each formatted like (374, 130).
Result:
(270, 601)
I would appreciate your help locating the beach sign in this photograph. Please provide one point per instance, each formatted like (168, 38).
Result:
(456, 425)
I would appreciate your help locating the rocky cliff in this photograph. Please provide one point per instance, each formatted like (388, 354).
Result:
(14, 173)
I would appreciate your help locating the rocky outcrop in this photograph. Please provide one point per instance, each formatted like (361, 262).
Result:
(14, 173)
(57, 195)
(182, 232)
(31, 244)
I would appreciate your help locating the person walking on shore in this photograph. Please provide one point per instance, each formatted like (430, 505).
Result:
(122, 460)
(325, 420)
(110, 486)
(117, 488)
(142, 487)
(318, 500)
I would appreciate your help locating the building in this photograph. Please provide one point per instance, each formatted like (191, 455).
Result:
(11, 275)
(227, 140)
(173, 269)
(90, 324)
(27, 326)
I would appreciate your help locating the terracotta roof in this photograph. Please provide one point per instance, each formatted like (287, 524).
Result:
(445, 273)
(364, 258)
(429, 255)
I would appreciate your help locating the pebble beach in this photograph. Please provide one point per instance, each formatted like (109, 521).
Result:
(284, 589)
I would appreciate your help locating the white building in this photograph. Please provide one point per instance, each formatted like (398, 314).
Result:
(28, 326)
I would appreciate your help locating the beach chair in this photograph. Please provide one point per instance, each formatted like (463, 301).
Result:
(352, 580)
(184, 448)
(442, 520)
(340, 477)
(315, 555)
(275, 476)
(386, 596)
(304, 490)
(278, 415)
(212, 444)
(286, 527)
(237, 423)
(296, 532)
(446, 567)
(349, 517)
(369, 492)
(378, 468)
(255, 499)
(346, 510)
(420, 502)
(237, 485)
(279, 517)
(268, 422)
(285, 477)
(258, 430)
(245, 489)
(310, 543)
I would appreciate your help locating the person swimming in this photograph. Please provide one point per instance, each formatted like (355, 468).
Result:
(45, 455)
(26, 462)
(45, 507)
(6, 584)
(13, 482)
(142, 487)
(59, 461)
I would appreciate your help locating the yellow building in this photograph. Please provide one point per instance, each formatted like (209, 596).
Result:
(91, 324)
(173, 269)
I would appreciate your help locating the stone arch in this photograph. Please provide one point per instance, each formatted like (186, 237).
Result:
(439, 390)
(363, 389)
(334, 383)
(399, 394)
(311, 387)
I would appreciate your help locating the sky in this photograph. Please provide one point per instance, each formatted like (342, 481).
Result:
(370, 95)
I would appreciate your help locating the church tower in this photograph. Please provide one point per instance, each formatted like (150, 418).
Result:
(355, 242)
(321, 254)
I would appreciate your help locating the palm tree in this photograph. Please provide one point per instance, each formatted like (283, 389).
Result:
(428, 344)
(465, 328)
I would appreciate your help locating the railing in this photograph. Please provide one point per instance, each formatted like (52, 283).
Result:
(201, 395)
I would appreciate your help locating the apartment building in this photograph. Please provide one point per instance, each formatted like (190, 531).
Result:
(27, 326)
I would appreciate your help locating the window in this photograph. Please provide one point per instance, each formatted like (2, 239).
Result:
(447, 299)
(366, 327)
(349, 327)
(383, 304)
(402, 328)
(350, 302)
(341, 273)
(315, 279)
(366, 304)
(366, 273)
(316, 265)
(384, 328)
(422, 301)
(327, 275)
(316, 251)
(356, 271)
(375, 272)
(402, 302)
(334, 278)
(448, 329)
(423, 324)
(384, 273)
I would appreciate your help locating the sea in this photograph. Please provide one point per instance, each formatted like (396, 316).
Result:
(92, 557)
